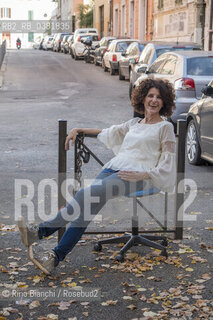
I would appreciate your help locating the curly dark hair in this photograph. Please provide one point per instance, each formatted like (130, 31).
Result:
(166, 91)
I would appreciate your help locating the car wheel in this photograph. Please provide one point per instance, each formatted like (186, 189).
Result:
(111, 71)
(193, 149)
(121, 77)
(75, 56)
(72, 55)
(104, 67)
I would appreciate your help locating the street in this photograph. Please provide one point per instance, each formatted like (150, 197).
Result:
(39, 88)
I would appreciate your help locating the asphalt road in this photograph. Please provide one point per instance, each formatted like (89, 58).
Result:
(39, 88)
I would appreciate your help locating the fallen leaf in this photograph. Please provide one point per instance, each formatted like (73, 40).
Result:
(52, 316)
(127, 298)
(34, 304)
(149, 314)
(189, 269)
(109, 303)
(132, 307)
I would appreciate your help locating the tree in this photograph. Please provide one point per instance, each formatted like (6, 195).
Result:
(85, 16)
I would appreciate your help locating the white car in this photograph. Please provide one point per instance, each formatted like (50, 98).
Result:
(78, 47)
(36, 43)
(48, 43)
(113, 54)
(85, 30)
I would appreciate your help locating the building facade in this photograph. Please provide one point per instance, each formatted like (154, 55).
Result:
(208, 30)
(179, 20)
(124, 18)
(27, 10)
(102, 17)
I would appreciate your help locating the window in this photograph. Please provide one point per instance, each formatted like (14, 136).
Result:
(111, 46)
(30, 15)
(200, 66)
(121, 46)
(160, 4)
(5, 13)
(157, 66)
(130, 48)
(147, 55)
(178, 2)
(140, 47)
(103, 42)
(169, 66)
(31, 37)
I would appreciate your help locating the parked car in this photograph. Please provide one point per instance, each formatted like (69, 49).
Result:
(103, 46)
(57, 41)
(150, 53)
(78, 47)
(113, 54)
(36, 43)
(47, 43)
(199, 137)
(69, 44)
(64, 44)
(85, 30)
(133, 52)
(188, 71)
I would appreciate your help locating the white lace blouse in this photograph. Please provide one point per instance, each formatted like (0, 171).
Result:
(145, 148)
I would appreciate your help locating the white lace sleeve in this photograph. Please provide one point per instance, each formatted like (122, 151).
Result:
(113, 137)
(164, 174)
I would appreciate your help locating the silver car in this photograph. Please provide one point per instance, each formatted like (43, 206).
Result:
(151, 52)
(199, 138)
(188, 71)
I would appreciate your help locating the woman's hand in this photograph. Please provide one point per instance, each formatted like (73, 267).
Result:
(133, 176)
(71, 136)
(73, 133)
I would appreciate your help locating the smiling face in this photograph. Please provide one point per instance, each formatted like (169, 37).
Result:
(153, 102)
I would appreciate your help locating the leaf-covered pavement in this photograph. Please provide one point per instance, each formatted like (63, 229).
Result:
(145, 286)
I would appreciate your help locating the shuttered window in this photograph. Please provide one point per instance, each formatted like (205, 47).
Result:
(30, 15)
(5, 13)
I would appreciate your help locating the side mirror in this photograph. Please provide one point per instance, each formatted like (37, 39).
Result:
(208, 91)
(142, 69)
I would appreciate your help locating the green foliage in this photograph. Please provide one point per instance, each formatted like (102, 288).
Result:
(85, 16)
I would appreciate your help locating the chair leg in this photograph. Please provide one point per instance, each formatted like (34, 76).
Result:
(121, 239)
(163, 239)
(128, 245)
(149, 243)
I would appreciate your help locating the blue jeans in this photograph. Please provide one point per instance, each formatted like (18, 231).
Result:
(106, 186)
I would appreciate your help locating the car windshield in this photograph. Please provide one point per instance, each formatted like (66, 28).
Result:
(92, 38)
(122, 46)
(141, 47)
(167, 49)
(200, 66)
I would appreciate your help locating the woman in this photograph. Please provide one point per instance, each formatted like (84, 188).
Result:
(145, 157)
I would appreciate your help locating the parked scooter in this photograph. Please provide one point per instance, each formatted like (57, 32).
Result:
(89, 51)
